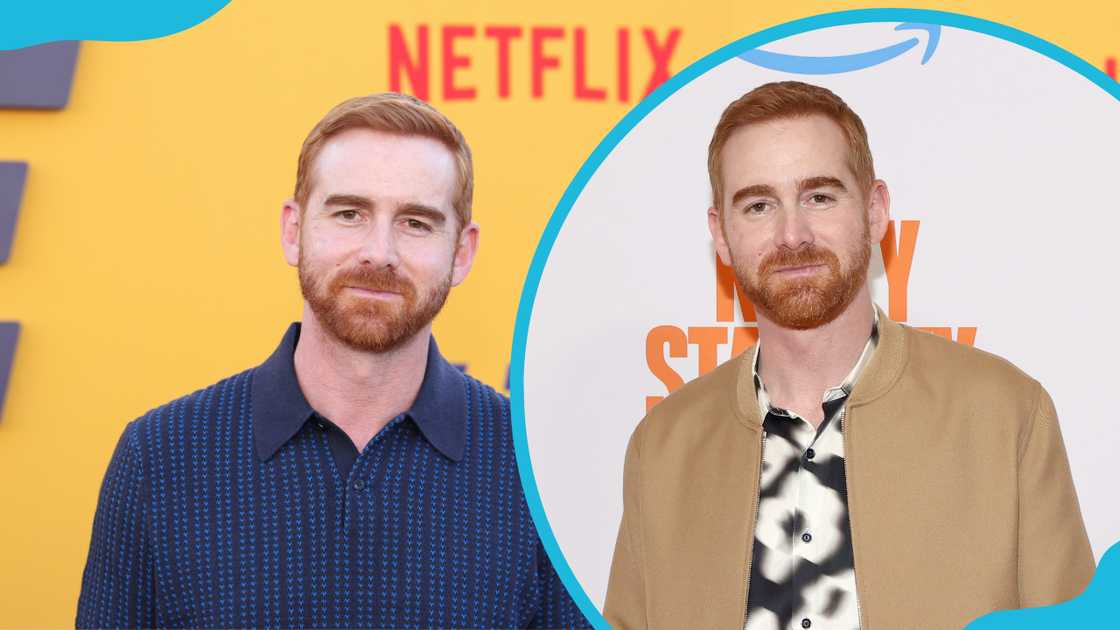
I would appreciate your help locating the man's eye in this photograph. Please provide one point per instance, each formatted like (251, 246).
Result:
(820, 198)
(347, 215)
(417, 224)
(757, 207)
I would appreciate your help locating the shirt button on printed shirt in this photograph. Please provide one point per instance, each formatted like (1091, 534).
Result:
(806, 537)
(359, 485)
(810, 454)
(805, 623)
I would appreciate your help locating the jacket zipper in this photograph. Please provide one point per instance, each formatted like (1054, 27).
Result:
(750, 530)
(847, 500)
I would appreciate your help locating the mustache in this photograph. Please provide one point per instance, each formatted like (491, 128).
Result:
(802, 257)
(374, 279)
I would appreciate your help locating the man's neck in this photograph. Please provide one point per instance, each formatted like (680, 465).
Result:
(358, 391)
(798, 366)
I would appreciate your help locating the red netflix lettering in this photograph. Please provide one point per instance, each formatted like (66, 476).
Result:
(539, 61)
(502, 35)
(660, 55)
(582, 90)
(400, 60)
(623, 65)
(451, 61)
(410, 61)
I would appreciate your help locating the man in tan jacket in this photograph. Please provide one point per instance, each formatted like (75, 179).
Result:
(848, 471)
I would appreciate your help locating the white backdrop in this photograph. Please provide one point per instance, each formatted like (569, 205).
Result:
(1004, 157)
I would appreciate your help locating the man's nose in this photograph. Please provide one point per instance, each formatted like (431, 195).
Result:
(794, 230)
(380, 247)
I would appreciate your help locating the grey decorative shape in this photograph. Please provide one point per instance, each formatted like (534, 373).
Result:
(12, 177)
(37, 77)
(9, 334)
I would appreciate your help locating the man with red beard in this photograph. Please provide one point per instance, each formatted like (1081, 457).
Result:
(847, 471)
(356, 478)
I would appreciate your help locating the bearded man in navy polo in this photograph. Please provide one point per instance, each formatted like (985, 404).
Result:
(355, 478)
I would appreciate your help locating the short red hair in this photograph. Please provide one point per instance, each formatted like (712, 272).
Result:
(390, 112)
(790, 99)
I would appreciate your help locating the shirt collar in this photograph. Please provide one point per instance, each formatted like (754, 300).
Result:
(280, 408)
(831, 394)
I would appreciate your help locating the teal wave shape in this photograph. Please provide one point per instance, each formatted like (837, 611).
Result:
(29, 22)
(1095, 607)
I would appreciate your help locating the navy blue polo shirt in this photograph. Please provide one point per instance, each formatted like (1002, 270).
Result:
(238, 505)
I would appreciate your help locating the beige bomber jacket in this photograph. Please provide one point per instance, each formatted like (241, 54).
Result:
(959, 494)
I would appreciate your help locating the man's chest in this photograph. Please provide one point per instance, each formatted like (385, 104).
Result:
(407, 539)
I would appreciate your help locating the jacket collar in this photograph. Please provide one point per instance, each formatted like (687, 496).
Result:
(886, 365)
(280, 408)
(876, 378)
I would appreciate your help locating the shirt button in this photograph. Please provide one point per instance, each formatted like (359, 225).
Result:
(805, 623)
(810, 454)
(806, 537)
(359, 485)
(319, 424)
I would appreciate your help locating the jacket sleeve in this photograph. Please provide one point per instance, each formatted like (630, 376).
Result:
(1055, 559)
(117, 583)
(625, 606)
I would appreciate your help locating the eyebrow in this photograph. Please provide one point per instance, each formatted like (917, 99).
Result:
(416, 209)
(754, 190)
(766, 190)
(821, 181)
(349, 200)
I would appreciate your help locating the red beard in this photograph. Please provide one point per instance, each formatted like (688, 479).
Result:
(806, 302)
(371, 325)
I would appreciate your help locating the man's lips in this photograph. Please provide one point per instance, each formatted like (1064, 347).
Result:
(797, 270)
(373, 292)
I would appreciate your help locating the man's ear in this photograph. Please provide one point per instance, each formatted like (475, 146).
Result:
(290, 216)
(715, 226)
(878, 210)
(465, 251)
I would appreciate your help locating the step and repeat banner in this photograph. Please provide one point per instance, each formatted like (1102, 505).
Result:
(143, 165)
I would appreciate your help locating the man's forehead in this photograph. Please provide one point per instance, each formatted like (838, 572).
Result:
(785, 151)
(383, 165)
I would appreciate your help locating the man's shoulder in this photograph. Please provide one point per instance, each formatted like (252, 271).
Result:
(943, 374)
(190, 418)
(700, 405)
(485, 402)
(484, 390)
(963, 366)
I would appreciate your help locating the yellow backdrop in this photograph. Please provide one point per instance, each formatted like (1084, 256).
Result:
(146, 261)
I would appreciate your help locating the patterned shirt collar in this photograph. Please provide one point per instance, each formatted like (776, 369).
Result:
(833, 393)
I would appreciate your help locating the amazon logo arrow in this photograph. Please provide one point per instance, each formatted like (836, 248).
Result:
(836, 64)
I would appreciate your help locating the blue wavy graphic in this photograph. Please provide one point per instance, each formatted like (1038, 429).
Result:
(1094, 608)
(799, 64)
(29, 22)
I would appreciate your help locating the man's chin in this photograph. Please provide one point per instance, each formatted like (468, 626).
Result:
(371, 339)
(799, 310)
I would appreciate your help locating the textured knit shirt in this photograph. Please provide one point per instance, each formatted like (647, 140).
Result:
(802, 570)
(227, 508)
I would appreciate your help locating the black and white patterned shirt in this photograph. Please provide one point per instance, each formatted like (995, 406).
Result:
(802, 573)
